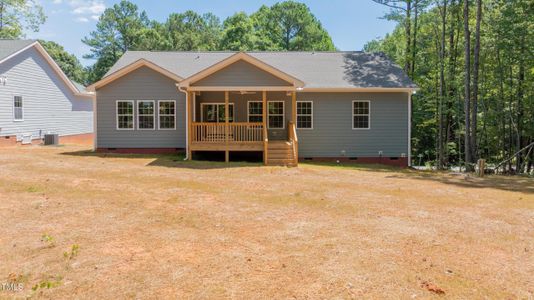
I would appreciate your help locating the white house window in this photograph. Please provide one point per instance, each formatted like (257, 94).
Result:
(125, 115)
(276, 114)
(145, 114)
(361, 111)
(255, 111)
(304, 114)
(214, 112)
(18, 110)
(167, 114)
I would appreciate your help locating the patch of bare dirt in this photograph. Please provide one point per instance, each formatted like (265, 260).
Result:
(80, 225)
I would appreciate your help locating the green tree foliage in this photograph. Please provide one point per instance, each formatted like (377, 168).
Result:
(17, 15)
(238, 33)
(190, 31)
(286, 25)
(505, 87)
(69, 63)
(120, 28)
(290, 26)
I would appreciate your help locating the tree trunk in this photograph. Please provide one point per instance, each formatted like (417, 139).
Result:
(520, 111)
(476, 67)
(467, 100)
(443, 12)
(414, 42)
(407, 63)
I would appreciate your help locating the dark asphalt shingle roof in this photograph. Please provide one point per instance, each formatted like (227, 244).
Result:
(316, 69)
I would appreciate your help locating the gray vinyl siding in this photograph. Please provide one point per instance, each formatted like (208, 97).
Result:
(141, 84)
(332, 130)
(241, 73)
(241, 107)
(49, 105)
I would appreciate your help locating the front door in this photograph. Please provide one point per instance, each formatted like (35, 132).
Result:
(214, 112)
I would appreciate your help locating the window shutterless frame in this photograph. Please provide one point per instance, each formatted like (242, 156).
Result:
(260, 115)
(368, 115)
(166, 115)
(269, 115)
(18, 108)
(305, 115)
(117, 115)
(153, 115)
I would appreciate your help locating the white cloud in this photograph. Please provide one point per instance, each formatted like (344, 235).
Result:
(84, 10)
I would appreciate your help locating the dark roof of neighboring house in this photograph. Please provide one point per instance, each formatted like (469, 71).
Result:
(8, 47)
(316, 69)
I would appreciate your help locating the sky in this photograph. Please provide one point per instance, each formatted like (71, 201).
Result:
(351, 23)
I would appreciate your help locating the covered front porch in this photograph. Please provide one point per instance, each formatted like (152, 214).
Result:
(244, 120)
(243, 104)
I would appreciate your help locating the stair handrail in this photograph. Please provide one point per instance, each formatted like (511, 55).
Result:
(295, 141)
(265, 144)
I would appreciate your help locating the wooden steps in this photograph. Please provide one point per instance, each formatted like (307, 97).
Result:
(280, 153)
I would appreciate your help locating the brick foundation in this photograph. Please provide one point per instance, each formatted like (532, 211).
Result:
(141, 150)
(390, 161)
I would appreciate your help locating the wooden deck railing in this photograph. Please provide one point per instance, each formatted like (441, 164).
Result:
(237, 132)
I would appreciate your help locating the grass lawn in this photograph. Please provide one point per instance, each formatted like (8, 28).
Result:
(79, 225)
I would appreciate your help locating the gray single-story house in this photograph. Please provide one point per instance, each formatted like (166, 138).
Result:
(291, 106)
(36, 97)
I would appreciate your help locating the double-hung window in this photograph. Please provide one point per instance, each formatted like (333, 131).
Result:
(275, 111)
(125, 115)
(304, 114)
(167, 114)
(18, 110)
(361, 114)
(255, 111)
(145, 114)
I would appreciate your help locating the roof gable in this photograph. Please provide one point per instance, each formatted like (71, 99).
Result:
(241, 73)
(250, 61)
(12, 48)
(130, 68)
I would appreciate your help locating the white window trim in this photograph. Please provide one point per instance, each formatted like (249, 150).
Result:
(166, 115)
(13, 103)
(216, 103)
(153, 115)
(369, 115)
(283, 115)
(117, 114)
(255, 115)
(296, 121)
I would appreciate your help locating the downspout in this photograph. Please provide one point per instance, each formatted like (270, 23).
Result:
(181, 89)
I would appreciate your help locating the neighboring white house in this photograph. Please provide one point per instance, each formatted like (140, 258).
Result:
(36, 97)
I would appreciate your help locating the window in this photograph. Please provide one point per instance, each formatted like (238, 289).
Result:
(125, 115)
(18, 110)
(214, 112)
(361, 114)
(167, 114)
(255, 111)
(304, 114)
(145, 114)
(275, 113)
